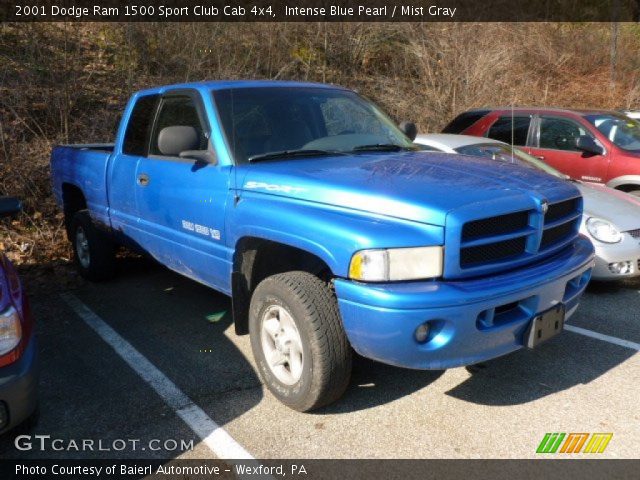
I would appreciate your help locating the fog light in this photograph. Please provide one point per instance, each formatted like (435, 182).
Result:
(422, 333)
(620, 268)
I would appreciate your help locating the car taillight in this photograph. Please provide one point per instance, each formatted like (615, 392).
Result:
(11, 335)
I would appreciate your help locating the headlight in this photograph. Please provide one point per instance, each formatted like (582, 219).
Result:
(396, 264)
(603, 231)
(10, 330)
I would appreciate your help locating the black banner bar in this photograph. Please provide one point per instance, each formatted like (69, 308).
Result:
(319, 10)
(321, 469)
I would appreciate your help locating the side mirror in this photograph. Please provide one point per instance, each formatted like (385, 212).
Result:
(176, 139)
(409, 129)
(200, 156)
(9, 206)
(587, 144)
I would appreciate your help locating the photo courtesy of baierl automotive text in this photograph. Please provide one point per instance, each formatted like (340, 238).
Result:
(319, 240)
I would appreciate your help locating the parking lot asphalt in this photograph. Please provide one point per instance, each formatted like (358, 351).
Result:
(499, 409)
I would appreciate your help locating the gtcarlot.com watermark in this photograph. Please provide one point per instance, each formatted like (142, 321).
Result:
(44, 443)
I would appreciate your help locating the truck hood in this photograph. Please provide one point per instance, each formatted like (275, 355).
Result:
(621, 209)
(417, 186)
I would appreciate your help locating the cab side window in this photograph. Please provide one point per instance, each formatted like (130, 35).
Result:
(136, 136)
(508, 129)
(178, 111)
(560, 133)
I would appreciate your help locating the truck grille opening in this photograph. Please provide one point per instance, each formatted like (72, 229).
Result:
(489, 227)
(492, 252)
(556, 234)
(561, 209)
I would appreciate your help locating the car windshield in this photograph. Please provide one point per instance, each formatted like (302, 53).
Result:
(621, 130)
(506, 153)
(279, 122)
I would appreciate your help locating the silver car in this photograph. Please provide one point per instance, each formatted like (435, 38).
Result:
(611, 218)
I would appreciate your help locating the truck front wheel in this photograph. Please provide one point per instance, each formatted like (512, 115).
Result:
(298, 341)
(94, 253)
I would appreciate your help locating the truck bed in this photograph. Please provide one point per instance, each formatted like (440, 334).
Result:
(83, 166)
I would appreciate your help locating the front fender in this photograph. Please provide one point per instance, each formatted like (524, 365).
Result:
(331, 233)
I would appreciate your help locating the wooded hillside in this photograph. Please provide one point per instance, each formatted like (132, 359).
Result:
(63, 83)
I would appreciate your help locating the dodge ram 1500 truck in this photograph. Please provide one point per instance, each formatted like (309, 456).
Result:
(328, 229)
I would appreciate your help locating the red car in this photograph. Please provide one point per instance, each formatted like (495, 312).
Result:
(592, 145)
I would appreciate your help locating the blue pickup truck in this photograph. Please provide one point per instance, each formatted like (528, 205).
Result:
(329, 229)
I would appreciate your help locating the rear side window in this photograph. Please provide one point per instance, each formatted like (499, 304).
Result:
(508, 129)
(136, 137)
(464, 121)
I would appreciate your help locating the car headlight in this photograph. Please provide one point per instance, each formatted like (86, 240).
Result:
(10, 330)
(603, 230)
(396, 264)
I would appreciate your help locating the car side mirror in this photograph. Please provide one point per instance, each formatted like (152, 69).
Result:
(10, 206)
(200, 156)
(587, 144)
(409, 129)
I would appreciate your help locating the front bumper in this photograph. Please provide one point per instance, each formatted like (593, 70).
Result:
(626, 252)
(471, 320)
(18, 387)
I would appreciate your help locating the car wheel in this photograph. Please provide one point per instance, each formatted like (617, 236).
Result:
(298, 340)
(94, 252)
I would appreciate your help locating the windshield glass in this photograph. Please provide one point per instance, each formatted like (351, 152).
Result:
(619, 129)
(266, 120)
(506, 153)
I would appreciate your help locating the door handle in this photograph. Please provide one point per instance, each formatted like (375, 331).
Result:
(143, 179)
(539, 157)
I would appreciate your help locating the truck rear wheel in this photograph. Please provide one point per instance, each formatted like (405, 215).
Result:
(94, 253)
(298, 341)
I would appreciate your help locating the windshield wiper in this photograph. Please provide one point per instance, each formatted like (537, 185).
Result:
(380, 147)
(291, 154)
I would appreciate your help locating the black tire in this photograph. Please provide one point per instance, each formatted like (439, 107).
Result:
(326, 353)
(100, 263)
(634, 192)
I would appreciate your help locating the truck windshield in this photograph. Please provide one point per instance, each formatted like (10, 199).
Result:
(621, 130)
(506, 153)
(280, 122)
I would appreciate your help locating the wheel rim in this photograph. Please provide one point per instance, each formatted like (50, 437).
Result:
(82, 248)
(282, 344)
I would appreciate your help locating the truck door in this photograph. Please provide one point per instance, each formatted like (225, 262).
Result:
(555, 144)
(181, 202)
(123, 165)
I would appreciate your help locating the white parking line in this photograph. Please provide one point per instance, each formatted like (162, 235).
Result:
(603, 337)
(214, 436)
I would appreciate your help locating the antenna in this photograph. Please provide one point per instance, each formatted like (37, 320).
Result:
(513, 123)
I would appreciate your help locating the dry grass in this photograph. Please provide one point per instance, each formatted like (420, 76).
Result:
(68, 82)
